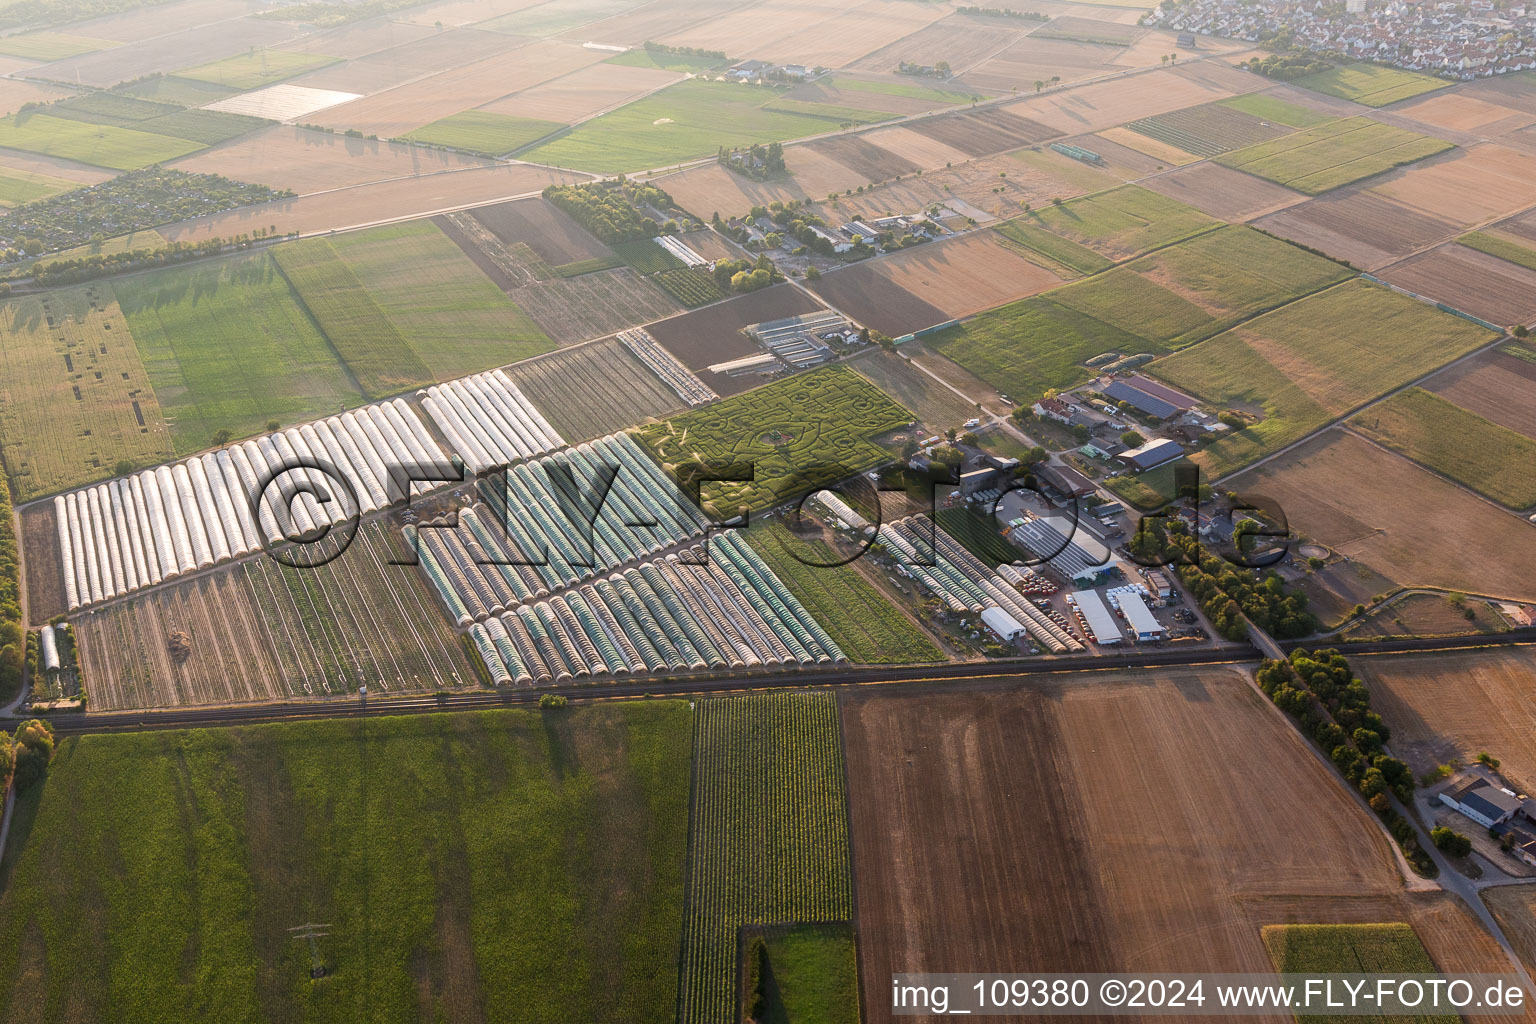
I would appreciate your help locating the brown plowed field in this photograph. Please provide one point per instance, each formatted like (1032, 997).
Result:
(1106, 104)
(1361, 228)
(713, 334)
(710, 245)
(983, 132)
(710, 188)
(1494, 385)
(961, 40)
(1523, 226)
(410, 58)
(40, 552)
(807, 32)
(594, 389)
(910, 144)
(863, 157)
(592, 305)
(874, 299)
(543, 228)
(1467, 186)
(1472, 281)
(454, 13)
(1518, 92)
(583, 93)
(1445, 706)
(1348, 494)
(1222, 192)
(1461, 111)
(1142, 822)
(285, 156)
(1215, 74)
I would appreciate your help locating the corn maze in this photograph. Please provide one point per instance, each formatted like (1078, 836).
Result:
(769, 834)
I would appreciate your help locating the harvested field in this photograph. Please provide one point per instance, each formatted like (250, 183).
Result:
(1106, 766)
(1126, 161)
(360, 39)
(14, 94)
(1496, 385)
(1106, 104)
(710, 245)
(1442, 707)
(399, 110)
(1359, 227)
(810, 33)
(581, 94)
(1222, 193)
(710, 188)
(1460, 111)
(1334, 154)
(546, 19)
(1468, 187)
(907, 143)
(166, 52)
(1089, 30)
(1016, 67)
(963, 41)
(936, 405)
(713, 334)
(44, 580)
(74, 395)
(982, 132)
(592, 305)
(1473, 282)
(957, 277)
(1517, 92)
(649, 21)
(555, 237)
(27, 165)
(593, 390)
(1347, 494)
(864, 158)
(263, 631)
(409, 60)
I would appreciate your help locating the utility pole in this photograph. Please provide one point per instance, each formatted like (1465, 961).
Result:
(310, 933)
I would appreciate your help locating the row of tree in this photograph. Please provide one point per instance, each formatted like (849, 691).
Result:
(24, 756)
(55, 273)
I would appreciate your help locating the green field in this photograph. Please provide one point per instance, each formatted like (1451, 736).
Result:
(145, 239)
(181, 91)
(1189, 291)
(769, 835)
(110, 108)
(373, 350)
(798, 434)
(18, 187)
(1491, 459)
(1331, 155)
(49, 46)
(504, 865)
(907, 89)
(1072, 258)
(691, 119)
(646, 256)
(813, 975)
(229, 347)
(100, 145)
(841, 113)
(1150, 490)
(479, 131)
(1371, 84)
(640, 57)
(1504, 248)
(691, 286)
(1351, 949)
(1312, 361)
(1118, 224)
(256, 69)
(209, 127)
(869, 629)
(1268, 108)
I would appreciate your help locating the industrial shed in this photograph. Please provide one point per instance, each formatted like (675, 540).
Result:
(1098, 619)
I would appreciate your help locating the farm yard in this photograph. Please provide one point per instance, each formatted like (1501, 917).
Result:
(424, 892)
(1489, 288)
(75, 397)
(1498, 385)
(1362, 228)
(1334, 154)
(1346, 493)
(769, 834)
(594, 389)
(800, 434)
(1296, 370)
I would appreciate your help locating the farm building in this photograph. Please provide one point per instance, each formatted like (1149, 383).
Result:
(799, 340)
(1157, 389)
(760, 362)
(1482, 801)
(840, 509)
(1002, 625)
(1097, 619)
(1070, 550)
(1140, 400)
(48, 646)
(1065, 481)
(1157, 582)
(987, 473)
(1151, 455)
(1140, 621)
(1103, 449)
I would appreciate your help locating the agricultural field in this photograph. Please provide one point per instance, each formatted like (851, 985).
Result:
(660, 60)
(1370, 84)
(74, 396)
(1207, 131)
(1469, 187)
(1117, 224)
(1104, 767)
(1498, 385)
(690, 286)
(1348, 494)
(934, 403)
(581, 94)
(687, 120)
(1273, 108)
(1488, 708)
(543, 227)
(768, 835)
(1363, 228)
(984, 132)
(592, 390)
(560, 836)
(1387, 948)
(714, 334)
(877, 301)
(1486, 286)
(577, 308)
(1328, 156)
(1442, 436)
(256, 69)
(1426, 614)
(646, 256)
(869, 629)
(799, 434)
(483, 132)
(1223, 193)
(100, 145)
(813, 974)
(49, 46)
(1298, 370)
(228, 347)
(1507, 249)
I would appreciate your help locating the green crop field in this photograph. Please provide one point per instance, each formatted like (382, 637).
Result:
(690, 286)
(454, 318)
(503, 865)
(369, 344)
(1208, 130)
(691, 119)
(1504, 248)
(17, 187)
(1351, 949)
(641, 57)
(182, 91)
(228, 346)
(1074, 259)
(907, 89)
(256, 69)
(109, 108)
(645, 256)
(1268, 108)
(145, 239)
(100, 145)
(1331, 155)
(797, 435)
(479, 131)
(54, 440)
(841, 113)
(209, 127)
(1118, 224)
(769, 834)
(1189, 291)
(1491, 459)
(1371, 84)
(49, 46)
(813, 975)
(1312, 361)
(869, 629)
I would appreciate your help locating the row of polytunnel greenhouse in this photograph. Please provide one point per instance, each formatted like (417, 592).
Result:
(141, 530)
(488, 421)
(533, 530)
(692, 610)
(963, 582)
